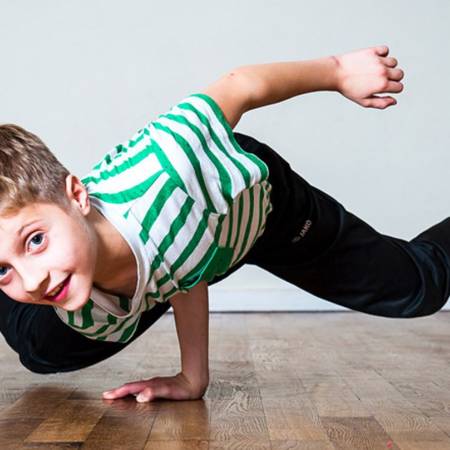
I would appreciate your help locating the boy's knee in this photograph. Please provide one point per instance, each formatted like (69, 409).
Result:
(44, 344)
(435, 280)
(35, 365)
(427, 304)
(35, 355)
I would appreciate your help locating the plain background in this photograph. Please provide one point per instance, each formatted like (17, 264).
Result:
(87, 75)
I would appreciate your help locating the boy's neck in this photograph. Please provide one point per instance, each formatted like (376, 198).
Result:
(116, 268)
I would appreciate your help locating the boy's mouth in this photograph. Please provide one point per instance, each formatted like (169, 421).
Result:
(59, 292)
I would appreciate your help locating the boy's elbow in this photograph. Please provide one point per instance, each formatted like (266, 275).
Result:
(236, 92)
(254, 86)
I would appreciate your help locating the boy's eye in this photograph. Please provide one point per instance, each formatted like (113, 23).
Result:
(37, 239)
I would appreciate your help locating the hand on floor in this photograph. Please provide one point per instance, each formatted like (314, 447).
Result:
(177, 387)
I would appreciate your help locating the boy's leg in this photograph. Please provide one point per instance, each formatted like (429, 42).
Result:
(313, 242)
(46, 345)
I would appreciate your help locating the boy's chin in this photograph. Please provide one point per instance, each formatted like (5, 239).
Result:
(72, 305)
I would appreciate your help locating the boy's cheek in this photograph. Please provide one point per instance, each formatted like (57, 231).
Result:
(16, 297)
(17, 294)
(11, 293)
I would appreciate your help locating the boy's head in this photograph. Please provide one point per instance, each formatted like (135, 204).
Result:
(29, 172)
(46, 244)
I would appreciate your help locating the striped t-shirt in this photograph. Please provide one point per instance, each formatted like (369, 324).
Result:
(189, 201)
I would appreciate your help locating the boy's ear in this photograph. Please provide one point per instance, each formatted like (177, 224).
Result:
(77, 194)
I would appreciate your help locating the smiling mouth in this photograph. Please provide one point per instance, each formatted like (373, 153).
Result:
(60, 291)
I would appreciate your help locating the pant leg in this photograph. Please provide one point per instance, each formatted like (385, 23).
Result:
(46, 345)
(313, 242)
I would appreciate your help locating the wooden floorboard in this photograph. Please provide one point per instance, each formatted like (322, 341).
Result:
(340, 380)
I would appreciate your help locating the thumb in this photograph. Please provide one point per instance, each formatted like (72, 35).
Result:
(380, 102)
(124, 390)
(158, 389)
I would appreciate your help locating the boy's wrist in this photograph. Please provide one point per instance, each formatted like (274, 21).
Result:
(332, 78)
(198, 376)
(198, 383)
(321, 74)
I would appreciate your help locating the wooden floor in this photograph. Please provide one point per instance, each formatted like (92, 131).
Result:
(279, 381)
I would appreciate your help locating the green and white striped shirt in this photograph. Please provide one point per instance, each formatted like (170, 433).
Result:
(189, 201)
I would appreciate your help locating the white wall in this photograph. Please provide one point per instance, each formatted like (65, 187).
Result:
(86, 75)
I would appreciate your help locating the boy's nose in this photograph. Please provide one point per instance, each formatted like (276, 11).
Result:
(34, 281)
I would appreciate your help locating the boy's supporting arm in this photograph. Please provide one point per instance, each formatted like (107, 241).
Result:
(191, 312)
(192, 322)
(358, 75)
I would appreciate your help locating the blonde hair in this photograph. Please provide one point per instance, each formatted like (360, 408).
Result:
(29, 172)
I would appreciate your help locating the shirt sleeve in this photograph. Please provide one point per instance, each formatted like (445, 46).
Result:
(207, 111)
(198, 148)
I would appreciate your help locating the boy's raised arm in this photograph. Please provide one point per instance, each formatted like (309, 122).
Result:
(360, 76)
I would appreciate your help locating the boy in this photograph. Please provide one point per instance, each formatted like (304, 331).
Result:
(182, 205)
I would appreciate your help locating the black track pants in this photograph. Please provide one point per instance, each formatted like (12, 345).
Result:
(313, 242)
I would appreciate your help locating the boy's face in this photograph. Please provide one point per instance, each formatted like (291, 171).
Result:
(48, 254)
